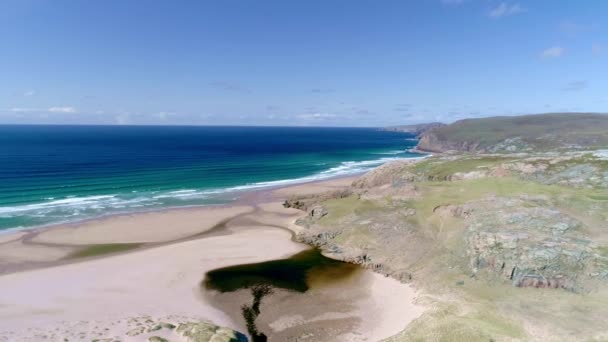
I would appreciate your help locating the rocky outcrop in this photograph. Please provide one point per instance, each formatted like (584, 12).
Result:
(531, 246)
(314, 214)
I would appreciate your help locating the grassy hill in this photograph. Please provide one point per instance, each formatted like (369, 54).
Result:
(540, 132)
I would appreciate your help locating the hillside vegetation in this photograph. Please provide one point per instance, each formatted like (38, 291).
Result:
(502, 247)
(541, 132)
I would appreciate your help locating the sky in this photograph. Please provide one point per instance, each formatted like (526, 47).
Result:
(298, 63)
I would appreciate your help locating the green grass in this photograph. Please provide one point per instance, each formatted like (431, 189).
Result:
(102, 249)
(338, 208)
(459, 192)
(448, 323)
(443, 170)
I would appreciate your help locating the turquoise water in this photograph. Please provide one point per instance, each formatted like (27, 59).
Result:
(52, 174)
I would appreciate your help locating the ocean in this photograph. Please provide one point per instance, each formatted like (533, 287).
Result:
(54, 174)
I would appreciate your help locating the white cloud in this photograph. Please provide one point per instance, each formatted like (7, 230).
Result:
(504, 9)
(553, 52)
(41, 110)
(164, 115)
(123, 118)
(62, 110)
(316, 116)
(23, 110)
(28, 93)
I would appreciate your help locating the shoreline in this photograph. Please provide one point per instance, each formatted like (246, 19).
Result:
(254, 228)
(236, 192)
(243, 197)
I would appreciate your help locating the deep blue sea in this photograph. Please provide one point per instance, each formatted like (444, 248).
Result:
(52, 174)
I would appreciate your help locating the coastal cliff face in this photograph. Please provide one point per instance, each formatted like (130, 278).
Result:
(528, 133)
(431, 141)
(480, 235)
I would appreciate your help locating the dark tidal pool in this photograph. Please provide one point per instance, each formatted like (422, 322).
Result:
(298, 273)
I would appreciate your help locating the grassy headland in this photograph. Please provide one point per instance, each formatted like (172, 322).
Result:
(506, 246)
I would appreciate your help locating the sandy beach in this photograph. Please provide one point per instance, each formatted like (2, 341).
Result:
(47, 291)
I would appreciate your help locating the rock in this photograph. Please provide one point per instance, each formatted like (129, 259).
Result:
(136, 331)
(317, 212)
(157, 339)
(530, 246)
(166, 325)
(207, 332)
(154, 328)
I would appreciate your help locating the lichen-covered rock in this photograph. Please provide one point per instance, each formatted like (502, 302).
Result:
(529, 246)
(207, 332)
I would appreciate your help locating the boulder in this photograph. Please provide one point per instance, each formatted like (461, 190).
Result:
(317, 212)
(157, 339)
(207, 332)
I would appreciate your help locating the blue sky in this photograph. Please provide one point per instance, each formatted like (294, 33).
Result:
(330, 62)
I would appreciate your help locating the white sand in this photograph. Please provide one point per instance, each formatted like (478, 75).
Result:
(158, 281)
